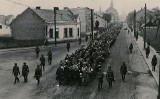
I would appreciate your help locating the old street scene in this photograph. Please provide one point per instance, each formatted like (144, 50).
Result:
(79, 49)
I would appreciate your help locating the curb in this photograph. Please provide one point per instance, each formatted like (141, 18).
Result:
(149, 66)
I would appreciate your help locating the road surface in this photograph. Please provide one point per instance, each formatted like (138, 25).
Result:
(139, 82)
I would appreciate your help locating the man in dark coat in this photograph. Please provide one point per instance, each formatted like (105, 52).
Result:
(100, 80)
(43, 60)
(25, 72)
(80, 41)
(123, 70)
(154, 62)
(37, 50)
(16, 72)
(147, 51)
(110, 76)
(49, 57)
(68, 46)
(59, 75)
(131, 47)
(38, 74)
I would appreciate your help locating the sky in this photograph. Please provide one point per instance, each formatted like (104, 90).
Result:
(123, 6)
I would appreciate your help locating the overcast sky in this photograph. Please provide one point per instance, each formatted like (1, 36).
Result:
(123, 6)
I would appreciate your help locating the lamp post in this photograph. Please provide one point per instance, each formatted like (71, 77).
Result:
(158, 96)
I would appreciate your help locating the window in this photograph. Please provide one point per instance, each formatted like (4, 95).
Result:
(51, 33)
(0, 26)
(57, 32)
(65, 32)
(70, 32)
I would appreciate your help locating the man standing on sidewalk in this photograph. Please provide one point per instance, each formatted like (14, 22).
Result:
(147, 51)
(154, 62)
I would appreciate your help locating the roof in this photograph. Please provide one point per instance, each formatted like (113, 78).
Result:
(149, 24)
(61, 15)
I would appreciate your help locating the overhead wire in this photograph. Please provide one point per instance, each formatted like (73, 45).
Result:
(18, 3)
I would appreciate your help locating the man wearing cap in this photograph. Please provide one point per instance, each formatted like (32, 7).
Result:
(38, 74)
(25, 72)
(16, 72)
(43, 60)
(123, 70)
(110, 76)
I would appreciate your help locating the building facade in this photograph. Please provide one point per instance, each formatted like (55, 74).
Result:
(38, 24)
(102, 22)
(85, 18)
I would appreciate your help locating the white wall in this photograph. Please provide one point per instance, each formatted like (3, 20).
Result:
(5, 31)
(61, 32)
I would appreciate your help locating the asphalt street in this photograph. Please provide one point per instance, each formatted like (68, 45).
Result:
(139, 82)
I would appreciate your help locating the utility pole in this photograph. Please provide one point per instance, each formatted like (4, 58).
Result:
(134, 23)
(92, 22)
(144, 38)
(55, 8)
(158, 96)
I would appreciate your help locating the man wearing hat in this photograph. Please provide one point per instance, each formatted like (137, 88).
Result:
(38, 74)
(110, 76)
(25, 72)
(16, 72)
(123, 70)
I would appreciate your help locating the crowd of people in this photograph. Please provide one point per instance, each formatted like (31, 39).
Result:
(83, 66)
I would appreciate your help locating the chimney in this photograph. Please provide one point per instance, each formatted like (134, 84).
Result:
(56, 8)
(65, 8)
(38, 7)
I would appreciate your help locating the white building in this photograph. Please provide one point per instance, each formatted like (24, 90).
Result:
(5, 30)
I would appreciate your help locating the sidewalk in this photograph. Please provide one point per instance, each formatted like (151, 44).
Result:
(140, 44)
(33, 47)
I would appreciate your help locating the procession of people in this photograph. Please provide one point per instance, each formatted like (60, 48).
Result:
(82, 66)
(86, 63)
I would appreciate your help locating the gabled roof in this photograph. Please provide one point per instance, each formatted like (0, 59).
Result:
(61, 15)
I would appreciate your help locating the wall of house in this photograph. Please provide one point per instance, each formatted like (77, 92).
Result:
(61, 36)
(102, 22)
(85, 18)
(5, 31)
(28, 26)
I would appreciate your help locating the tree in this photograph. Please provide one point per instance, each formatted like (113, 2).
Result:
(96, 24)
(156, 13)
(107, 17)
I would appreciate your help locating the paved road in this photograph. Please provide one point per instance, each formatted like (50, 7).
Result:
(7, 59)
(139, 82)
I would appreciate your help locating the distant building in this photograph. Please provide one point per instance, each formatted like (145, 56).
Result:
(38, 24)
(5, 30)
(102, 22)
(111, 10)
(85, 18)
(114, 13)
(5, 25)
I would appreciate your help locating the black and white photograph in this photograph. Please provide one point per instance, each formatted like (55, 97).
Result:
(79, 49)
